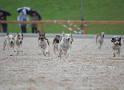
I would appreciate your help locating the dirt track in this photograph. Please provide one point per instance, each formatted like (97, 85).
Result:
(88, 68)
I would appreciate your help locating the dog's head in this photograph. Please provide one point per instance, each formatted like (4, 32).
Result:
(67, 37)
(102, 34)
(20, 37)
(41, 36)
(11, 38)
(116, 40)
(58, 37)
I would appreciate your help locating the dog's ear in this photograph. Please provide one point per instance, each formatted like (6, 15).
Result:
(7, 34)
(58, 36)
(18, 34)
(44, 32)
(103, 35)
(39, 33)
(22, 34)
(120, 43)
(63, 33)
(112, 40)
(14, 35)
(120, 38)
(69, 33)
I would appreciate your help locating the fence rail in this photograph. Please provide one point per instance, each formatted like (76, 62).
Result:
(64, 21)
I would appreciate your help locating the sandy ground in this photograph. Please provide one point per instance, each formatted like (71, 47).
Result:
(88, 68)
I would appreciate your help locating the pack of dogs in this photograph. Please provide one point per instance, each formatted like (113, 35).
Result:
(116, 43)
(12, 41)
(61, 44)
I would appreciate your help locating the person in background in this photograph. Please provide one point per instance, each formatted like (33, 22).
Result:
(4, 25)
(34, 25)
(23, 17)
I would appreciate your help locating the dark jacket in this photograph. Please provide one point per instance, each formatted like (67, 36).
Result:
(35, 18)
(3, 17)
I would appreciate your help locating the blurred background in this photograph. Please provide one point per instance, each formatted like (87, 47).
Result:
(93, 10)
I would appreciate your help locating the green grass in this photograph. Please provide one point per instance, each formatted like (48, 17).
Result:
(93, 10)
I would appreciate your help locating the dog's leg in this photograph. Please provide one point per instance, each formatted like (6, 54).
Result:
(57, 47)
(15, 47)
(101, 42)
(100, 45)
(49, 55)
(54, 48)
(123, 47)
(10, 49)
(4, 45)
(115, 53)
(44, 52)
(18, 50)
(59, 53)
(94, 38)
(119, 51)
(67, 54)
(39, 50)
(96, 41)
(21, 48)
(119, 55)
(48, 51)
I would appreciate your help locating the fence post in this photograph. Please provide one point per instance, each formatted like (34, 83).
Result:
(0, 27)
(41, 27)
(85, 25)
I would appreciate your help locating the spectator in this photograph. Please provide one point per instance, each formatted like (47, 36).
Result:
(34, 25)
(23, 17)
(4, 25)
